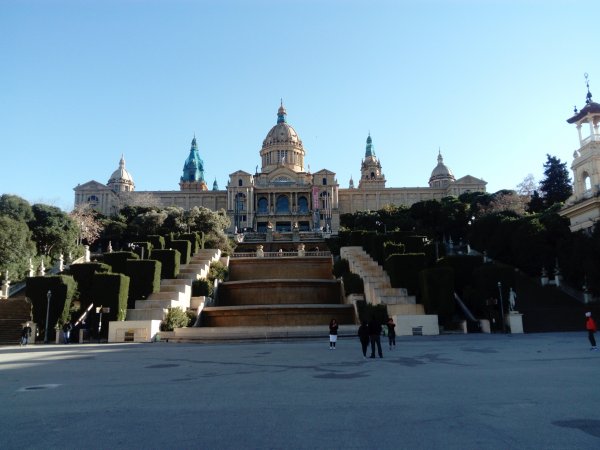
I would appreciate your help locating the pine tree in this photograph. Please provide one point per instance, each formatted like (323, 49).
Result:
(556, 186)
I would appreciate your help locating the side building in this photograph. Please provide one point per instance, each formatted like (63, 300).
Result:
(283, 194)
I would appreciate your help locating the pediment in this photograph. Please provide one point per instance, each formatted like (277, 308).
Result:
(239, 173)
(92, 185)
(468, 179)
(324, 172)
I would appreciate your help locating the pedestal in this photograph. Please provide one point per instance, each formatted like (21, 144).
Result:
(514, 320)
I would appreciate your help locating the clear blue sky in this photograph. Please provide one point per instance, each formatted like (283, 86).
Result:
(490, 83)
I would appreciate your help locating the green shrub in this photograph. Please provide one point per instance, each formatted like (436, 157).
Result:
(144, 279)
(63, 289)
(158, 242)
(183, 247)
(404, 269)
(463, 267)
(217, 271)
(437, 292)
(334, 245)
(169, 260)
(176, 318)
(83, 274)
(341, 267)
(118, 260)
(194, 240)
(111, 290)
(142, 249)
(202, 288)
(353, 284)
(392, 248)
(369, 311)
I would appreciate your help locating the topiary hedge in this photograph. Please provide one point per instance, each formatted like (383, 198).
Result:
(404, 269)
(437, 292)
(169, 260)
(142, 248)
(341, 267)
(118, 260)
(392, 248)
(84, 275)
(158, 242)
(144, 279)
(111, 290)
(63, 288)
(353, 284)
(194, 240)
(184, 248)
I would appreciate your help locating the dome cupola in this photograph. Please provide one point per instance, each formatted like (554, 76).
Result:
(282, 146)
(121, 180)
(441, 175)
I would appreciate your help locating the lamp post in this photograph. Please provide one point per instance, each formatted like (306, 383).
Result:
(501, 307)
(48, 298)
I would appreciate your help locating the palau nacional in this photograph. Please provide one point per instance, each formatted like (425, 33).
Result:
(283, 195)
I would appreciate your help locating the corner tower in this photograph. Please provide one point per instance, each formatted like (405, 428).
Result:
(371, 176)
(282, 147)
(193, 171)
(583, 207)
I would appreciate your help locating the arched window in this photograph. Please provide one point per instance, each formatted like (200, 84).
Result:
(302, 205)
(93, 199)
(240, 182)
(325, 200)
(282, 204)
(324, 181)
(587, 182)
(263, 205)
(240, 201)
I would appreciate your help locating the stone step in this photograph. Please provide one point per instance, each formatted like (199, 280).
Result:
(156, 304)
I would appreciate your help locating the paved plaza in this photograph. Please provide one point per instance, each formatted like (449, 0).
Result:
(533, 391)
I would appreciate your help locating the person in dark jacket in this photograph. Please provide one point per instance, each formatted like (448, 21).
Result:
(375, 337)
(333, 330)
(25, 334)
(590, 326)
(363, 335)
(391, 326)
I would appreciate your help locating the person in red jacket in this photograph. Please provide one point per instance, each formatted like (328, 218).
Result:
(590, 326)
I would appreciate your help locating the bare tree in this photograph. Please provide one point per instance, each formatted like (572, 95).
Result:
(86, 219)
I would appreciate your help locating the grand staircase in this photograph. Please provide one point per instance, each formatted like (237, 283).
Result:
(14, 312)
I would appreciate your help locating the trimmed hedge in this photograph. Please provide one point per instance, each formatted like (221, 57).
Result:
(84, 275)
(158, 242)
(194, 240)
(369, 311)
(353, 283)
(144, 279)
(183, 247)
(118, 260)
(169, 260)
(63, 288)
(437, 292)
(110, 290)
(341, 267)
(484, 286)
(404, 269)
(463, 267)
(145, 245)
(392, 248)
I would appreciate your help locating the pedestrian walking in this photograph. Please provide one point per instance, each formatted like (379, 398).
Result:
(333, 331)
(375, 337)
(590, 326)
(363, 335)
(25, 334)
(391, 326)
(66, 329)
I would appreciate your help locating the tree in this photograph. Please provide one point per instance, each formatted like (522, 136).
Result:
(527, 187)
(506, 200)
(16, 247)
(556, 187)
(88, 222)
(16, 207)
(53, 230)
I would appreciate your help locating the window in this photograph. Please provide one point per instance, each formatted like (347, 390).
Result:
(302, 205)
(282, 204)
(93, 199)
(240, 182)
(263, 205)
(324, 181)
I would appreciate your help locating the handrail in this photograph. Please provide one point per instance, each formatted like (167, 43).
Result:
(280, 254)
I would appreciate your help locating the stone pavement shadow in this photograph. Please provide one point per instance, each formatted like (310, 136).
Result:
(591, 427)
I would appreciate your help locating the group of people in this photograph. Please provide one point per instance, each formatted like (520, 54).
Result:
(368, 332)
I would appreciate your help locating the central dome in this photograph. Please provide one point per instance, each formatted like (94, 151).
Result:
(282, 147)
(282, 133)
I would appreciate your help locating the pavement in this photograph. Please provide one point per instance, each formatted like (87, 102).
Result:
(476, 391)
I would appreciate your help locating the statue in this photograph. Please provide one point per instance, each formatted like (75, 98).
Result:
(512, 296)
(259, 251)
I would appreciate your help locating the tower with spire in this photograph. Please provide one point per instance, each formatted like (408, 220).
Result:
(371, 176)
(583, 207)
(193, 171)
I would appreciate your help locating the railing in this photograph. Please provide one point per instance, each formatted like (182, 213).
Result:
(280, 254)
(590, 138)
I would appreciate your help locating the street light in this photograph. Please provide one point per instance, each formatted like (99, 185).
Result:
(501, 307)
(48, 297)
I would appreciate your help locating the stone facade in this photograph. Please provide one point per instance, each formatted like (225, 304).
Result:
(283, 195)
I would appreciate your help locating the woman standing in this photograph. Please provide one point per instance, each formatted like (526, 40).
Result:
(333, 330)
